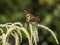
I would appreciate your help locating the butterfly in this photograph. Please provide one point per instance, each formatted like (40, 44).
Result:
(30, 17)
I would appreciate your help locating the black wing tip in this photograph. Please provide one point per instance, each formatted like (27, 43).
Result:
(26, 12)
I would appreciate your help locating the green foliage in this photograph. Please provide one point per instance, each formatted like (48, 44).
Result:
(47, 10)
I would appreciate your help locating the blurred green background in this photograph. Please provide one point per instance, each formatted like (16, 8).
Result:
(47, 10)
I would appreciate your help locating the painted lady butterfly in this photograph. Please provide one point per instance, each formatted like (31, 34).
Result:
(30, 17)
